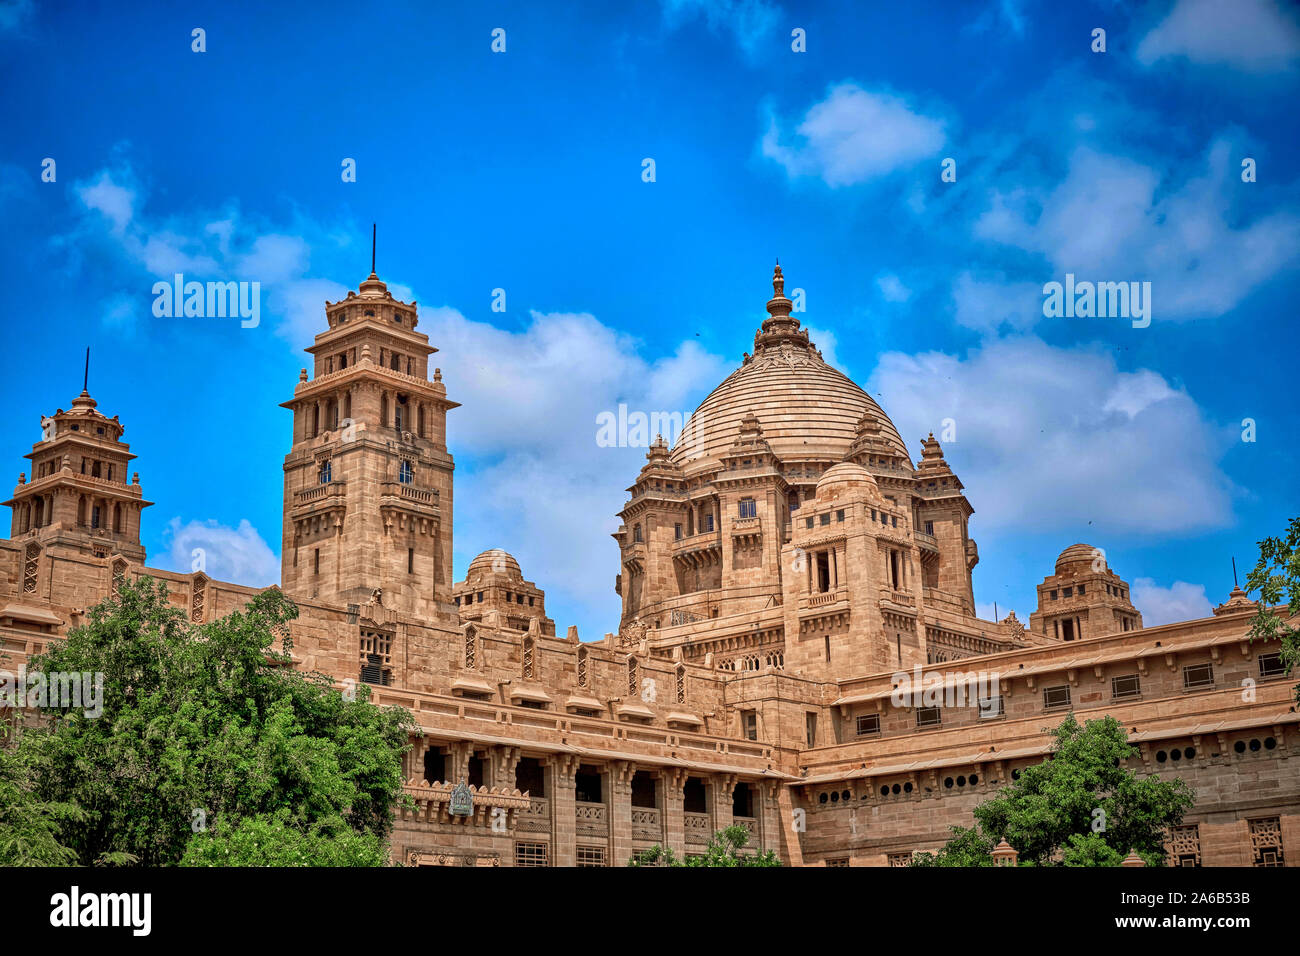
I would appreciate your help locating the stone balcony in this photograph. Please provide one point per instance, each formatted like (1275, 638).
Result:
(898, 598)
(646, 824)
(698, 549)
(697, 827)
(431, 802)
(823, 598)
(926, 542)
(591, 818)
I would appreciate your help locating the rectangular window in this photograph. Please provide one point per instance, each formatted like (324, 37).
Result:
(591, 856)
(894, 520)
(1270, 665)
(824, 519)
(808, 522)
(1198, 675)
(708, 522)
(1052, 595)
(316, 563)
(1130, 685)
(839, 515)
(839, 861)
(410, 560)
(530, 854)
(868, 724)
(991, 707)
(748, 508)
(749, 724)
(810, 726)
(677, 532)
(929, 528)
(928, 717)
(1067, 592)
(1081, 590)
(1056, 696)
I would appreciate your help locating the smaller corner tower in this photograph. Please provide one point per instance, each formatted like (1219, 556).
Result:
(79, 495)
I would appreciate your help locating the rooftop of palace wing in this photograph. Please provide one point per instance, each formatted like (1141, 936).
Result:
(806, 408)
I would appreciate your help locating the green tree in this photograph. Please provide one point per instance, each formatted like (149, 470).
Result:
(724, 849)
(1277, 576)
(1080, 807)
(211, 747)
(29, 826)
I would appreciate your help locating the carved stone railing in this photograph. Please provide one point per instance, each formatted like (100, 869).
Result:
(332, 489)
(431, 802)
(926, 540)
(590, 818)
(751, 827)
(536, 817)
(645, 824)
(697, 827)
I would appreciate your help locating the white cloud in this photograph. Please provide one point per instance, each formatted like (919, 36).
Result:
(989, 302)
(221, 246)
(113, 200)
(531, 477)
(1178, 602)
(1051, 439)
(892, 288)
(1250, 35)
(1112, 219)
(751, 22)
(855, 135)
(238, 555)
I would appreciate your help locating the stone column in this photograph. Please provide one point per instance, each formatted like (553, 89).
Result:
(723, 786)
(674, 822)
(769, 816)
(619, 810)
(563, 769)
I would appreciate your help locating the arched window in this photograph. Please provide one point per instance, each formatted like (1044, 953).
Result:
(94, 516)
(326, 471)
(399, 412)
(405, 474)
(636, 533)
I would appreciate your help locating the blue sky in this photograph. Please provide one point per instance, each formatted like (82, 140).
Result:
(522, 171)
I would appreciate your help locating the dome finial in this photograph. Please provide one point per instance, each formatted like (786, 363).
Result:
(778, 282)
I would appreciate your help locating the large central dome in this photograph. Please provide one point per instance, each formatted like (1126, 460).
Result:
(806, 408)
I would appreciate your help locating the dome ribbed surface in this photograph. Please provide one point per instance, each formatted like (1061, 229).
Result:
(806, 409)
(494, 561)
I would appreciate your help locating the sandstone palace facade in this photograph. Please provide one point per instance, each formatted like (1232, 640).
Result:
(786, 573)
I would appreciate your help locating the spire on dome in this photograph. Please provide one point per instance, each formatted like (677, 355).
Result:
(780, 328)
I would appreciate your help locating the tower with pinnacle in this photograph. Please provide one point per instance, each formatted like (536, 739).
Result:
(368, 479)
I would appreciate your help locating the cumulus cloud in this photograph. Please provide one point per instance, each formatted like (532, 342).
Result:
(854, 135)
(207, 246)
(1056, 438)
(1254, 36)
(1178, 602)
(238, 555)
(1113, 218)
(531, 477)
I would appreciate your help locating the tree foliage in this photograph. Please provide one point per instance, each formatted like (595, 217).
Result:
(1080, 807)
(1277, 578)
(211, 748)
(725, 848)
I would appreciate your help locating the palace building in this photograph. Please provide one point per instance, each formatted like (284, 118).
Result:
(787, 573)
